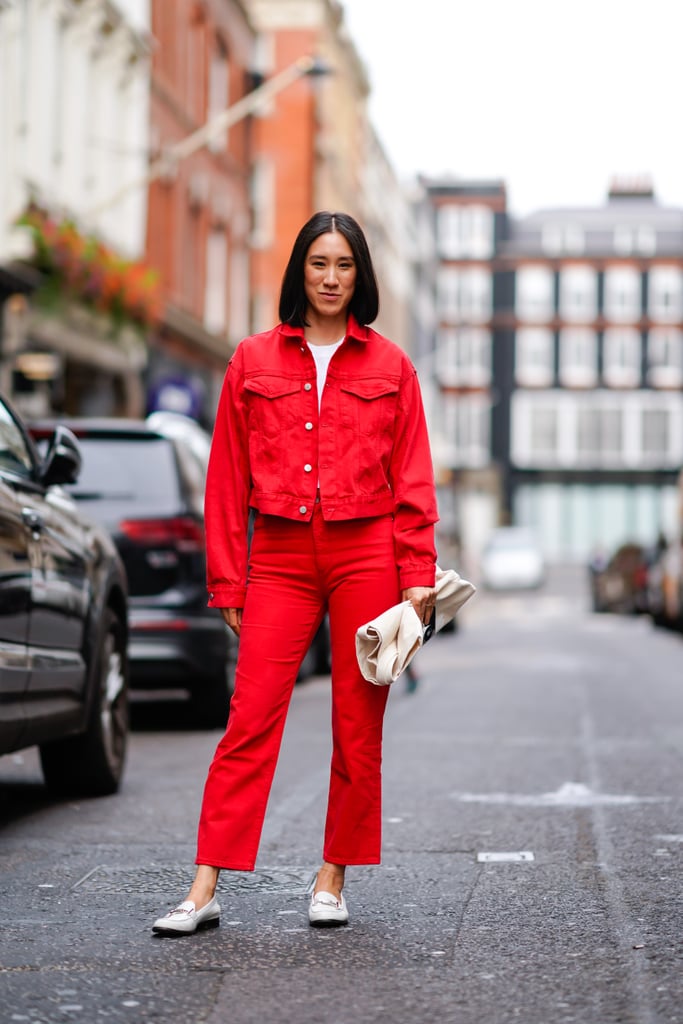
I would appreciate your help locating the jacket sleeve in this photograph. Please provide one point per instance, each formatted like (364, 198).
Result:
(226, 501)
(411, 476)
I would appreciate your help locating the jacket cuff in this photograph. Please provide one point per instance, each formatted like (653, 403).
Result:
(417, 576)
(226, 596)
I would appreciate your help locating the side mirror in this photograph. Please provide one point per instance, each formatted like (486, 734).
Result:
(63, 460)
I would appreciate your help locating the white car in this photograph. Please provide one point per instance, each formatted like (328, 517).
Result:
(512, 559)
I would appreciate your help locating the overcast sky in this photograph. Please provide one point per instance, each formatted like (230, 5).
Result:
(555, 97)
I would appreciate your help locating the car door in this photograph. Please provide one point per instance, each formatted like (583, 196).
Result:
(20, 569)
(61, 599)
(59, 588)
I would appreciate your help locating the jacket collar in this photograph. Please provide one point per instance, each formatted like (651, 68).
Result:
(353, 330)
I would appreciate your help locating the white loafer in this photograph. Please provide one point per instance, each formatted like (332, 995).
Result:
(186, 919)
(327, 911)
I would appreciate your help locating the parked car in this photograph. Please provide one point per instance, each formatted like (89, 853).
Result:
(144, 481)
(63, 618)
(512, 559)
(620, 583)
(665, 585)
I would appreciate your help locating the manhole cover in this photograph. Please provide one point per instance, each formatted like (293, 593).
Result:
(162, 878)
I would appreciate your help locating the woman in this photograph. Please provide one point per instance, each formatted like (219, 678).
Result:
(320, 429)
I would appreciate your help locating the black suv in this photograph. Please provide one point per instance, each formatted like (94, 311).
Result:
(144, 481)
(63, 619)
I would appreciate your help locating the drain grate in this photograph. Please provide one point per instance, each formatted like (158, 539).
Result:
(162, 878)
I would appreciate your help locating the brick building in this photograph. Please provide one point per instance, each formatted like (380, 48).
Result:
(315, 149)
(558, 366)
(592, 389)
(199, 223)
(468, 220)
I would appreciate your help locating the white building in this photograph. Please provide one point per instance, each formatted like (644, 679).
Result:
(74, 128)
(74, 124)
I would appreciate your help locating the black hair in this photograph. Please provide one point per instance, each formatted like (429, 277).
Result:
(365, 300)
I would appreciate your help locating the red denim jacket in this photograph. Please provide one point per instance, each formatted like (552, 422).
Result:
(368, 450)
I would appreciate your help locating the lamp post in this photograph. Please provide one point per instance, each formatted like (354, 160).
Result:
(215, 126)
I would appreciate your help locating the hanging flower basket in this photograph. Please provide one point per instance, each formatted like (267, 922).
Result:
(77, 268)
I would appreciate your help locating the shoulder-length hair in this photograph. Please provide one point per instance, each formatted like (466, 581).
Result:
(365, 301)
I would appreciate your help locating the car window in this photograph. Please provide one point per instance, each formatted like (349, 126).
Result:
(193, 470)
(133, 474)
(15, 455)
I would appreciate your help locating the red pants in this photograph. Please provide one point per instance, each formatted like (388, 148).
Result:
(296, 571)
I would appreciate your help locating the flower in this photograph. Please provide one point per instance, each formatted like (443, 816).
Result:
(82, 268)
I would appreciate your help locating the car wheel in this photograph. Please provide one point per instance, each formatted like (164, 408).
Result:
(210, 698)
(92, 763)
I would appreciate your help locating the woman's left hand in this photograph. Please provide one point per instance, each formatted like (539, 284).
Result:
(423, 600)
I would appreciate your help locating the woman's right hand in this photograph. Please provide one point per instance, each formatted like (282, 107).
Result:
(233, 618)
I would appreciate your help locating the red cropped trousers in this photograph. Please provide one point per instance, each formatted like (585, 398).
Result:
(297, 571)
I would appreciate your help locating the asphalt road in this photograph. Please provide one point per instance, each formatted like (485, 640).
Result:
(533, 850)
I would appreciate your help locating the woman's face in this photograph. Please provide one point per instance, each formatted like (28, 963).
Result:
(329, 275)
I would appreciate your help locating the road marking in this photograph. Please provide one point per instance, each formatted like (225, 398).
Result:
(570, 794)
(505, 858)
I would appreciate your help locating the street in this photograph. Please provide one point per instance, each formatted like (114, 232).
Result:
(533, 846)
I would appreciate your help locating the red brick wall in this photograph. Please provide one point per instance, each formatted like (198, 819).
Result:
(287, 138)
(187, 33)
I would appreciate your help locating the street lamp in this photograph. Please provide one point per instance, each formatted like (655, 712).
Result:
(216, 125)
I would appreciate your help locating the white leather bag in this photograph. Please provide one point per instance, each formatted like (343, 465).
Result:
(385, 646)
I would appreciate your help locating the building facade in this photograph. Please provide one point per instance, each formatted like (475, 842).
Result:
(558, 367)
(468, 221)
(74, 87)
(593, 391)
(316, 150)
(199, 224)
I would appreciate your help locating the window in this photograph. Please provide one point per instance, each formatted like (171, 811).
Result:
(665, 294)
(622, 357)
(599, 433)
(239, 293)
(263, 204)
(578, 358)
(475, 294)
(215, 304)
(448, 293)
(219, 92)
(597, 429)
(544, 430)
(463, 357)
(465, 231)
(622, 294)
(466, 428)
(665, 357)
(578, 294)
(558, 238)
(534, 357)
(629, 238)
(15, 456)
(464, 294)
(656, 428)
(535, 293)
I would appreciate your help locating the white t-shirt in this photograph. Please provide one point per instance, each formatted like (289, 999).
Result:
(322, 355)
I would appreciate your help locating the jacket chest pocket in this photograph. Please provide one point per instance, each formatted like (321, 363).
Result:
(273, 404)
(368, 406)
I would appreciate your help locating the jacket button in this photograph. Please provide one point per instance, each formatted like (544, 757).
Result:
(307, 468)
(303, 510)
(307, 387)
(309, 426)
(211, 597)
